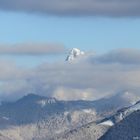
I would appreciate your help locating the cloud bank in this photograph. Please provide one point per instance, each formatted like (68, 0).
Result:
(113, 8)
(123, 56)
(32, 49)
(89, 78)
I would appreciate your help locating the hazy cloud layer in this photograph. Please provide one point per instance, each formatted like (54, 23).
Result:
(91, 78)
(124, 56)
(75, 7)
(32, 49)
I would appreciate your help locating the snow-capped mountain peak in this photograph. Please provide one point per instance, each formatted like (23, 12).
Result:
(74, 53)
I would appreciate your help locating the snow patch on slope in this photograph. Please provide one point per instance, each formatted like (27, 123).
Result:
(107, 123)
(89, 111)
(44, 102)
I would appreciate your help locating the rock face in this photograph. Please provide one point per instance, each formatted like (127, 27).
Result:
(74, 53)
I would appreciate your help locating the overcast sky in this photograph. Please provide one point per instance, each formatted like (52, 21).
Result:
(36, 36)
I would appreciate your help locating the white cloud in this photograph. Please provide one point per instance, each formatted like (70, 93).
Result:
(63, 93)
(89, 79)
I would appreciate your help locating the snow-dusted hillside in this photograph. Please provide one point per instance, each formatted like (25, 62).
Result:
(95, 130)
(127, 129)
(91, 131)
(35, 117)
(121, 114)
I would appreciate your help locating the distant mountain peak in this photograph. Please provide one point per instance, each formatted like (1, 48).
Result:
(31, 96)
(74, 53)
(34, 98)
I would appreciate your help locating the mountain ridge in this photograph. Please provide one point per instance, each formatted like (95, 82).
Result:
(49, 118)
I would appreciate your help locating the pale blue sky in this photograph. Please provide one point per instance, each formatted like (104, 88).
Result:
(87, 33)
